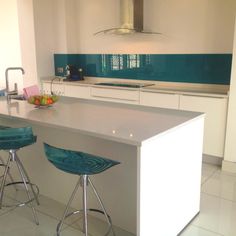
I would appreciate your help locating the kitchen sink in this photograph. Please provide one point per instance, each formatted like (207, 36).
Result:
(18, 97)
(127, 85)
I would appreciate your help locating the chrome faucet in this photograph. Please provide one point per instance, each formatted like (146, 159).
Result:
(15, 91)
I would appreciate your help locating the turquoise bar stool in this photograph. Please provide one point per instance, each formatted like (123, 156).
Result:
(83, 165)
(2, 163)
(11, 140)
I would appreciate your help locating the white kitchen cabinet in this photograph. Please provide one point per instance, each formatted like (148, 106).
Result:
(215, 109)
(77, 91)
(57, 88)
(159, 99)
(115, 94)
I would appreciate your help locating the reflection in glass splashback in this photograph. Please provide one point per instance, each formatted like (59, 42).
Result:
(192, 68)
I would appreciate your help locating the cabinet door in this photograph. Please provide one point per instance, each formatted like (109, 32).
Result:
(215, 109)
(115, 95)
(48, 87)
(77, 91)
(157, 99)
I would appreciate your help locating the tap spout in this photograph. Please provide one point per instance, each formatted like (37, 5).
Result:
(8, 92)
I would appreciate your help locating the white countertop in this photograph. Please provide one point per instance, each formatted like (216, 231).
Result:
(203, 91)
(213, 90)
(119, 122)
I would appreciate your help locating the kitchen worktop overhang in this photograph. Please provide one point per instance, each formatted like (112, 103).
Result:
(124, 123)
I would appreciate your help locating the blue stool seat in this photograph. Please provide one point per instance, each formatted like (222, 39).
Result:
(15, 138)
(76, 162)
(84, 165)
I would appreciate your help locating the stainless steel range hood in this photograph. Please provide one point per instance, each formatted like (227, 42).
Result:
(131, 16)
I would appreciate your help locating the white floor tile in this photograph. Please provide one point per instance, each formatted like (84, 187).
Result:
(208, 170)
(71, 232)
(98, 227)
(52, 208)
(217, 215)
(20, 223)
(49, 212)
(7, 201)
(221, 185)
(196, 231)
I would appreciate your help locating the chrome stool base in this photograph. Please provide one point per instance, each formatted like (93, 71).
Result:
(110, 228)
(36, 190)
(8, 173)
(29, 187)
(84, 180)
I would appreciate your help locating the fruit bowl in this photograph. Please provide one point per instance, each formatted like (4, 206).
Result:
(43, 100)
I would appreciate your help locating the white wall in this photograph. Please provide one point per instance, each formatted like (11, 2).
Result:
(17, 45)
(44, 35)
(196, 26)
(55, 31)
(10, 43)
(230, 150)
(27, 42)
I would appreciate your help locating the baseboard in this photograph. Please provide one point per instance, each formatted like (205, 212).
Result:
(229, 166)
(212, 159)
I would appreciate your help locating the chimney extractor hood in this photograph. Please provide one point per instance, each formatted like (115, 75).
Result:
(131, 15)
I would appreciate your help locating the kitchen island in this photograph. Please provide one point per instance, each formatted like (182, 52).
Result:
(155, 190)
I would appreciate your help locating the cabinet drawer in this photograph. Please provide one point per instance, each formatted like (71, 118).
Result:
(77, 91)
(116, 95)
(156, 99)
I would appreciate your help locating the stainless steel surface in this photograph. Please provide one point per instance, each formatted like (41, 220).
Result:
(26, 181)
(18, 97)
(4, 180)
(15, 91)
(131, 17)
(65, 215)
(108, 218)
(9, 174)
(85, 214)
(128, 85)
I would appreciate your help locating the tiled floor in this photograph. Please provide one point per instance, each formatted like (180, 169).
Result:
(217, 216)
(218, 205)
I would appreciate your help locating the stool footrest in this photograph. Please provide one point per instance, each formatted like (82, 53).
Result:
(20, 204)
(91, 210)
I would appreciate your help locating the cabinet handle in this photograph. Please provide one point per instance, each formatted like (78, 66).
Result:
(98, 87)
(203, 96)
(120, 99)
(157, 92)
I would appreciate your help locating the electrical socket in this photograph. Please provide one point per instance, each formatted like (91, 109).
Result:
(60, 70)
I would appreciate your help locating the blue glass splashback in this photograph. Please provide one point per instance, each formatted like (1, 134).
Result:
(190, 68)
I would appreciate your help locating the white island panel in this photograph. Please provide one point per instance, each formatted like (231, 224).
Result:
(170, 169)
